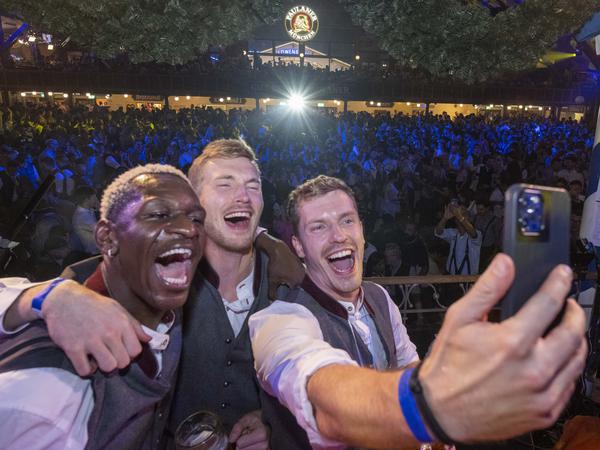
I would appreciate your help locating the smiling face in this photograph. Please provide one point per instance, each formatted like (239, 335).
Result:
(230, 192)
(159, 238)
(330, 239)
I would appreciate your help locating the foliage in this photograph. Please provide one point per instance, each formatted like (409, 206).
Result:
(456, 39)
(462, 40)
(171, 31)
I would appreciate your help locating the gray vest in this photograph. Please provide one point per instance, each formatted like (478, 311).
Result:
(130, 407)
(337, 331)
(217, 368)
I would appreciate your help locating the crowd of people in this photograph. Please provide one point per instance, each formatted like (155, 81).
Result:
(429, 188)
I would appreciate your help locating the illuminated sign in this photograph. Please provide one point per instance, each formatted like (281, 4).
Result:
(301, 23)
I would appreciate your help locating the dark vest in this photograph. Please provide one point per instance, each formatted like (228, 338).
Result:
(217, 369)
(333, 321)
(130, 407)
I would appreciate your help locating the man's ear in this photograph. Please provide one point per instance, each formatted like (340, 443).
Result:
(297, 246)
(106, 238)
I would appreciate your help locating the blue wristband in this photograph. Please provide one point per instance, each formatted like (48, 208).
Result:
(38, 300)
(409, 409)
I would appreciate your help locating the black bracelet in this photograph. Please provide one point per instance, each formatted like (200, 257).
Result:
(426, 413)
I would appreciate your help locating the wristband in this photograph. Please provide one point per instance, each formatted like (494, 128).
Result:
(38, 300)
(432, 423)
(410, 410)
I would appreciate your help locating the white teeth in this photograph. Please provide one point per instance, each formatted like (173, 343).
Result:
(340, 254)
(176, 281)
(245, 215)
(177, 251)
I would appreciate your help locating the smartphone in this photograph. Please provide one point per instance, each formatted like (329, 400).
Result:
(536, 236)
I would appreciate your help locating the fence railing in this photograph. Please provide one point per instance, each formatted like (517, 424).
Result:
(408, 286)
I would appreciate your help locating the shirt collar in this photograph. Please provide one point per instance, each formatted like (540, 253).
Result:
(160, 336)
(359, 303)
(330, 304)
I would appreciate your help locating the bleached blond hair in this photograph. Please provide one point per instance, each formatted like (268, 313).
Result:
(121, 191)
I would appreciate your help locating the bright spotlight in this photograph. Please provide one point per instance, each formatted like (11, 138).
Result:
(296, 102)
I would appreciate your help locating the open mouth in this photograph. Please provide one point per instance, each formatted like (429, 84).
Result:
(174, 267)
(342, 261)
(238, 219)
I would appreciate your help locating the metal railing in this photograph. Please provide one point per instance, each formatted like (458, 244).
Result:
(407, 286)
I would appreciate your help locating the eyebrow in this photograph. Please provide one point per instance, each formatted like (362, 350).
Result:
(224, 177)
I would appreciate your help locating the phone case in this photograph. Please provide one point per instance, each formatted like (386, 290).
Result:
(534, 256)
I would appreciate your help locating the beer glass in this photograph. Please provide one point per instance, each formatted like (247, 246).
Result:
(202, 430)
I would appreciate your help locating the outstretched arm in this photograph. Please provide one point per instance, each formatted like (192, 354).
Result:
(82, 323)
(482, 381)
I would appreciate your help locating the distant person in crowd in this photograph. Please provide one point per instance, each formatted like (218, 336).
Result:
(84, 219)
(577, 197)
(490, 228)
(464, 240)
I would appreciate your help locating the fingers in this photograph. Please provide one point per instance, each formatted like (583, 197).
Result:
(550, 402)
(103, 356)
(256, 439)
(81, 363)
(140, 334)
(532, 320)
(487, 291)
(119, 352)
(236, 431)
(562, 343)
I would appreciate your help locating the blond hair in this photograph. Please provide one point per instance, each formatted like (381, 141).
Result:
(221, 148)
(119, 192)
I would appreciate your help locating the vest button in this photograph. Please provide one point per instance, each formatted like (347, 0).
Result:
(228, 341)
(223, 405)
(229, 363)
(226, 383)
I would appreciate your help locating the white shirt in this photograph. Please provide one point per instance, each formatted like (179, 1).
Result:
(237, 310)
(49, 408)
(289, 348)
(458, 251)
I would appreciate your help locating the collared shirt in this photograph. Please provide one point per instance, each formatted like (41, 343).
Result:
(49, 408)
(361, 321)
(237, 310)
(289, 348)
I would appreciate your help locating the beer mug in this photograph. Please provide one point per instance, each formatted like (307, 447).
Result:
(202, 430)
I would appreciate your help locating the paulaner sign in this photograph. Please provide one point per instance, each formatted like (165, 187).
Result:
(301, 23)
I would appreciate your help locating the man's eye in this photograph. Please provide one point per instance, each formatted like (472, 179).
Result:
(159, 215)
